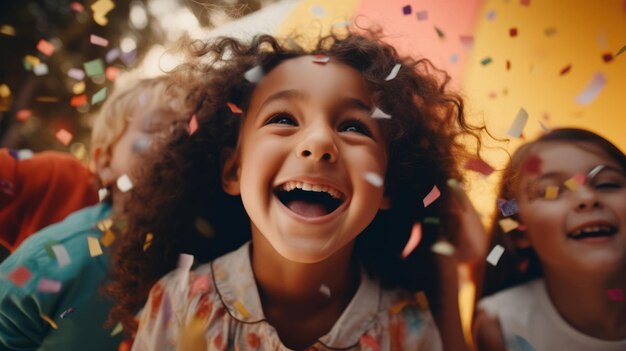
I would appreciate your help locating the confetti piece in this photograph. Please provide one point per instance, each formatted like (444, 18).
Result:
(440, 33)
(616, 294)
(551, 192)
(100, 10)
(575, 182)
(467, 41)
(204, 227)
(454, 58)
(518, 124)
(67, 312)
(513, 32)
(32, 60)
(112, 55)
(518, 343)
(532, 165)
(374, 179)
(119, 327)
(100, 96)
(325, 290)
(76, 6)
(318, 11)
(394, 72)
(407, 10)
(491, 15)
(94, 246)
(254, 74)
(370, 342)
(63, 258)
(525, 2)
(41, 69)
(7, 30)
(193, 124)
(48, 247)
(398, 307)
(422, 15)
(422, 300)
(111, 73)
(432, 196)
(45, 47)
(148, 241)
(5, 92)
(508, 224)
(94, 68)
(49, 321)
(102, 194)
(321, 59)
(485, 61)
(108, 238)
(592, 90)
(64, 137)
(19, 276)
(124, 183)
(76, 73)
(48, 286)
(621, 51)
(507, 208)
(495, 254)
(414, 240)
(24, 154)
(99, 41)
(78, 100)
(78, 88)
(234, 108)
(129, 57)
(480, 166)
(201, 285)
(565, 70)
(443, 248)
(378, 113)
(607, 57)
(242, 309)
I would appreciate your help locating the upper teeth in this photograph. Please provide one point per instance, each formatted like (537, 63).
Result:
(592, 229)
(289, 186)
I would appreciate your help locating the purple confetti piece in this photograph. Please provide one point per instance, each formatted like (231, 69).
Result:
(508, 208)
(592, 90)
(406, 10)
(129, 57)
(112, 55)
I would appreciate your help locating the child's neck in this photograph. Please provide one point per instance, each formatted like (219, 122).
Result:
(303, 301)
(582, 299)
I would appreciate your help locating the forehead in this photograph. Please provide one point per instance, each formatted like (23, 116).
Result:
(570, 158)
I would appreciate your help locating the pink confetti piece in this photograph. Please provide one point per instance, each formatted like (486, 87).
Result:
(45, 47)
(414, 240)
(193, 125)
(495, 254)
(63, 258)
(19, 276)
(576, 181)
(422, 15)
(369, 341)
(200, 285)
(321, 59)
(592, 90)
(48, 286)
(432, 196)
(234, 108)
(394, 72)
(111, 73)
(76, 6)
(23, 115)
(99, 41)
(64, 137)
(518, 124)
(615, 294)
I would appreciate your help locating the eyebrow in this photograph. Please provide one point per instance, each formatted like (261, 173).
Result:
(293, 94)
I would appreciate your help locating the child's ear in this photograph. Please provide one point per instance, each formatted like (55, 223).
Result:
(385, 203)
(230, 172)
(102, 161)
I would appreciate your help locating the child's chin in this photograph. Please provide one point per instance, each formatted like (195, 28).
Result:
(304, 250)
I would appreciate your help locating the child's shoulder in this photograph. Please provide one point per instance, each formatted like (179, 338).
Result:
(518, 298)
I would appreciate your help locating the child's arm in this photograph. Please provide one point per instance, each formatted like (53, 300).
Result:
(487, 332)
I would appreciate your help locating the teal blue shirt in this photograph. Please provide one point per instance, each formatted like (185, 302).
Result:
(21, 324)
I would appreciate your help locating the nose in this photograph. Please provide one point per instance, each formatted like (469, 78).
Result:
(586, 199)
(318, 145)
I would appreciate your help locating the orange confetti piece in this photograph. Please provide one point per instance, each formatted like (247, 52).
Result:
(108, 238)
(422, 300)
(49, 320)
(575, 182)
(78, 100)
(45, 47)
(234, 108)
(148, 241)
(242, 309)
(20, 276)
(395, 309)
(414, 240)
(64, 137)
(193, 125)
(508, 224)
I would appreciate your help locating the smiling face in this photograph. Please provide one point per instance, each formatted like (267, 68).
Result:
(306, 148)
(581, 230)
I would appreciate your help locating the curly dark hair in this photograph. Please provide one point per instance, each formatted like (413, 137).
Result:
(183, 183)
(508, 273)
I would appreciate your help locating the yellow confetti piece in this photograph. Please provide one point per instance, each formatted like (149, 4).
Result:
(7, 30)
(396, 308)
(108, 238)
(78, 88)
(49, 320)
(32, 60)
(118, 329)
(79, 150)
(94, 246)
(575, 182)
(242, 309)
(204, 227)
(5, 92)
(422, 300)
(100, 10)
(551, 192)
(443, 248)
(148, 241)
(105, 224)
(508, 224)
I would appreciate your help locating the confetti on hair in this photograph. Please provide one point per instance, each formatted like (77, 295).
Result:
(124, 183)
(414, 240)
(67, 312)
(148, 241)
(241, 308)
(507, 208)
(432, 196)
(119, 327)
(325, 290)
(5, 92)
(422, 15)
(48, 286)
(19, 276)
(322, 59)
(513, 32)
(407, 10)
(621, 51)
(575, 182)
(615, 294)
(45, 47)
(78, 88)
(49, 321)
(204, 227)
(234, 108)
(107, 238)
(254, 74)
(592, 89)
(518, 124)
(370, 342)
(76, 73)
(100, 96)
(565, 70)
(440, 33)
(495, 254)
(99, 41)
(46, 99)
(374, 178)
(63, 258)
(94, 67)
(378, 113)
(486, 61)
(100, 10)
(443, 248)
(394, 72)
(94, 246)
(480, 166)
(193, 124)
(432, 220)
(508, 224)
(7, 30)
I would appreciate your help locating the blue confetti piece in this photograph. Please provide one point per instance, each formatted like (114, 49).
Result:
(508, 208)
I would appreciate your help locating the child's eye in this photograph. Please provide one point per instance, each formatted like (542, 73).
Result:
(282, 118)
(355, 127)
(607, 185)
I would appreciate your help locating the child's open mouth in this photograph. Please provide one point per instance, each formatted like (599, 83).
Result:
(592, 231)
(309, 200)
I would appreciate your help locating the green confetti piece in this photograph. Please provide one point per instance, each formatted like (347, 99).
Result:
(94, 68)
(48, 246)
(621, 50)
(118, 329)
(440, 33)
(486, 61)
(99, 96)
(431, 220)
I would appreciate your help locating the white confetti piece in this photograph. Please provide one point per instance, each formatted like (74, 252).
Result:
(94, 246)
(378, 113)
(495, 254)
(325, 290)
(48, 286)
(592, 90)
(443, 248)
(374, 179)
(112, 55)
(124, 183)
(102, 194)
(76, 73)
(63, 258)
(518, 124)
(254, 74)
(394, 72)
(24, 154)
(432, 196)
(41, 69)
(321, 59)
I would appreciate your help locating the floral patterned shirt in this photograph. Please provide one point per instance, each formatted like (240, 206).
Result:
(224, 296)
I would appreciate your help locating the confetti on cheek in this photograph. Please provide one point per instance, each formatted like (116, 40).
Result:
(124, 183)
(532, 165)
(379, 114)
(518, 124)
(615, 294)
(99, 41)
(551, 192)
(322, 59)
(369, 342)
(432, 196)
(407, 10)
(63, 258)
(100, 10)
(148, 241)
(443, 248)
(325, 290)
(394, 72)
(193, 124)
(575, 182)
(49, 321)
(374, 179)
(480, 166)
(67, 312)
(94, 246)
(495, 254)
(414, 240)
(45, 47)
(254, 74)
(422, 15)
(19, 276)
(507, 208)
(48, 286)
(234, 108)
(565, 70)
(592, 90)
(508, 224)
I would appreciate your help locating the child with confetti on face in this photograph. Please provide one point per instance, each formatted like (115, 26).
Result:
(317, 174)
(49, 297)
(559, 284)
